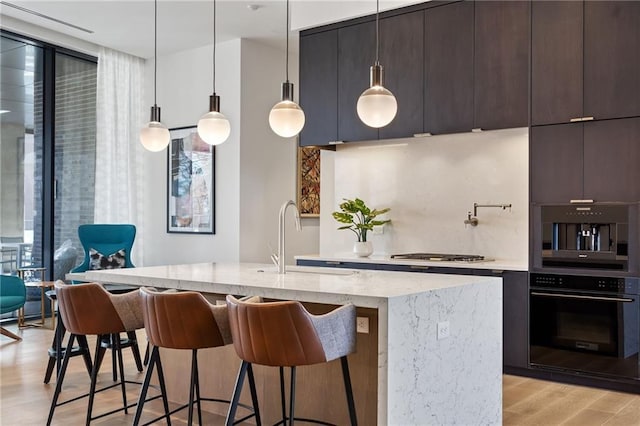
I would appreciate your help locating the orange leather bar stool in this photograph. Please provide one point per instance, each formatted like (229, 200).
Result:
(185, 320)
(89, 309)
(284, 334)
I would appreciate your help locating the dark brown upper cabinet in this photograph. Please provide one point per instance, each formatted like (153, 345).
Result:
(612, 59)
(448, 68)
(319, 78)
(611, 158)
(556, 65)
(501, 64)
(402, 56)
(595, 160)
(556, 163)
(585, 61)
(356, 54)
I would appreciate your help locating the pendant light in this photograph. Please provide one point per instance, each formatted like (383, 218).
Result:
(213, 127)
(155, 136)
(286, 117)
(377, 106)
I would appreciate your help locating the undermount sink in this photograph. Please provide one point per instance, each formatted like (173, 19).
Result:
(309, 270)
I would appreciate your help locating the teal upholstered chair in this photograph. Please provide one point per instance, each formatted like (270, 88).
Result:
(106, 239)
(13, 295)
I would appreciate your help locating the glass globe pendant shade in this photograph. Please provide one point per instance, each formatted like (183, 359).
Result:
(286, 117)
(377, 106)
(213, 127)
(154, 136)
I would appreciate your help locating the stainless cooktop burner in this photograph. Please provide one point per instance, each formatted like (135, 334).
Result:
(441, 257)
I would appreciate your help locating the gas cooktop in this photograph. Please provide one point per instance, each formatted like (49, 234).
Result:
(441, 257)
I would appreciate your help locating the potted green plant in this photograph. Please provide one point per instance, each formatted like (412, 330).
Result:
(360, 219)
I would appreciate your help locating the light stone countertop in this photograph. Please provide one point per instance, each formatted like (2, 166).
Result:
(365, 288)
(495, 264)
(421, 379)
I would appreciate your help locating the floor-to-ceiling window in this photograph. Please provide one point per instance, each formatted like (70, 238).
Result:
(47, 159)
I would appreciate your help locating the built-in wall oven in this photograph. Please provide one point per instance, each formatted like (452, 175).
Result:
(585, 324)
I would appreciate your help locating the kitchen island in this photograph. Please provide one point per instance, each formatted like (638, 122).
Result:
(438, 338)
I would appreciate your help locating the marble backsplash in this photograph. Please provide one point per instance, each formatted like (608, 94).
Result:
(431, 184)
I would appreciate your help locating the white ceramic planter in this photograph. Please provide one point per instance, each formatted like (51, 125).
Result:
(363, 249)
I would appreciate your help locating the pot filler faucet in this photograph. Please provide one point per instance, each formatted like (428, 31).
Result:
(280, 257)
(473, 220)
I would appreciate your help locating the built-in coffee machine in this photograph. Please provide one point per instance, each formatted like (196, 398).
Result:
(587, 236)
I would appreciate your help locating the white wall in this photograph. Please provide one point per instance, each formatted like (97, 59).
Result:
(268, 162)
(255, 169)
(184, 86)
(430, 184)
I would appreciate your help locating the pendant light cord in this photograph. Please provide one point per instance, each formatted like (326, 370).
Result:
(287, 55)
(155, 51)
(214, 46)
(377, 31)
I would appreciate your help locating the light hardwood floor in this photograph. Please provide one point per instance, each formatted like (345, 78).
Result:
(24, 399)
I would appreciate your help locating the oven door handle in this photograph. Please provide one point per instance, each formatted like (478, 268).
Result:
(577, 296)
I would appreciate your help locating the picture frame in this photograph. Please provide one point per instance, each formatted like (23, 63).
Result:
(308, 181)
(190, 183)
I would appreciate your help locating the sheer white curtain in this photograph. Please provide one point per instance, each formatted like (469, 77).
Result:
(119, 154)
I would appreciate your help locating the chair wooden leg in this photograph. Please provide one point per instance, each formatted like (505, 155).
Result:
(7, 333)
(349, 391)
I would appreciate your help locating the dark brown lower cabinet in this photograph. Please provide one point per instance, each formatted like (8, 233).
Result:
(515, 319)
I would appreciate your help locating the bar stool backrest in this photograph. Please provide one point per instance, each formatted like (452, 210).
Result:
(184, 320)
(274, 333)
(87, 309)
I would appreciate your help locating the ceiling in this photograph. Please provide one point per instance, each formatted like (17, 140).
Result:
(182, 24)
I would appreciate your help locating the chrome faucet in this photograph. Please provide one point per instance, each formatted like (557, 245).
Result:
(281, 256)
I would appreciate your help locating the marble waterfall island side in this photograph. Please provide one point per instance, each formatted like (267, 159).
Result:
(421, 380)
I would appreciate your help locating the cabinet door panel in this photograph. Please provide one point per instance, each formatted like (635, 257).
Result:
(612, 59)
(401, 55)
(319, 87)
(612, 160)
(556, 163)
(515, 312)
(356, 54)
(501, 64)
(556, 68)
(448, 96)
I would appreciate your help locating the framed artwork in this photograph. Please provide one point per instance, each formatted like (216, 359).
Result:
(190, 183)
(308, 181)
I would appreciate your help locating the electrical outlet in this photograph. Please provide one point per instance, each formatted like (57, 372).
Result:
(443, 330)
(362, 325)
